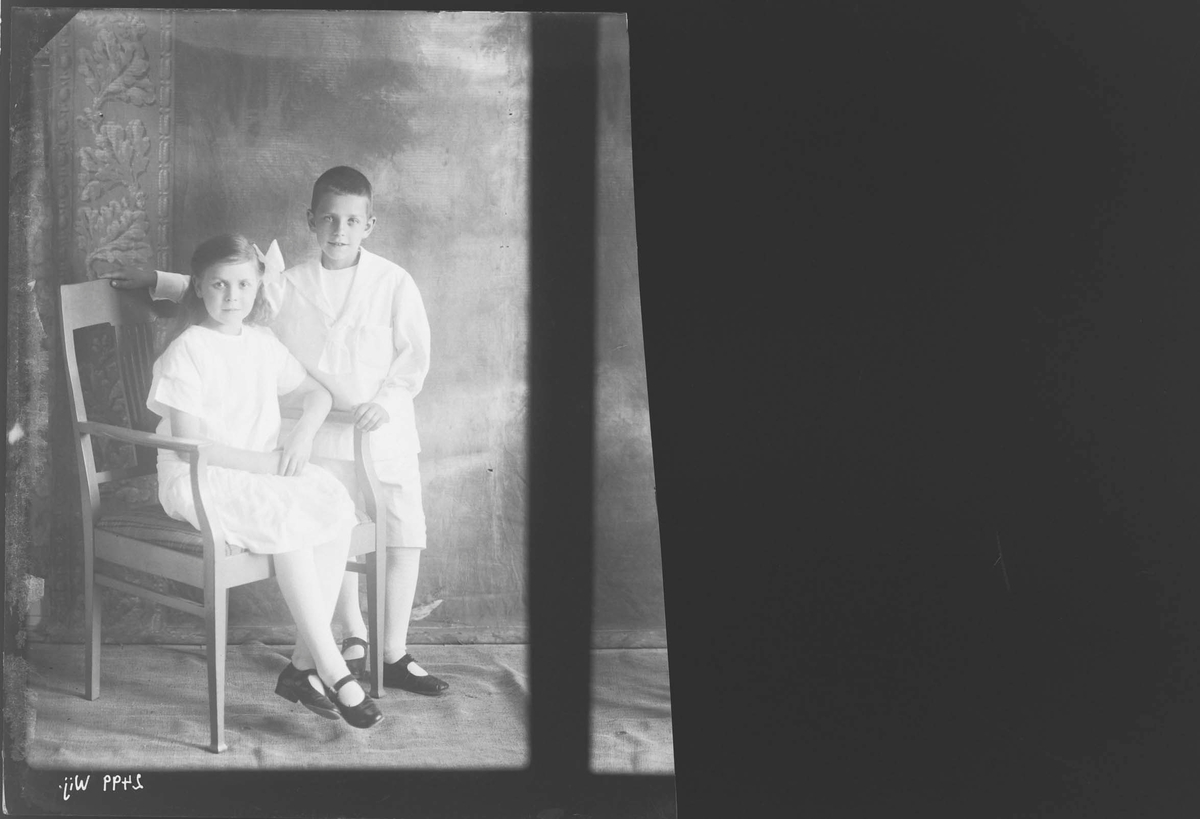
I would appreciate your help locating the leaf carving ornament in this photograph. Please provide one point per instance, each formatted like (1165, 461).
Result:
(117, 66)
(116, 232)
(120, 156)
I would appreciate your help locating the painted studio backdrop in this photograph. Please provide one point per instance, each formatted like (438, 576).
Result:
(150, 131)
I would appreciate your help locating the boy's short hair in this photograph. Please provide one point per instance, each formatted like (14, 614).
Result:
(342, 180)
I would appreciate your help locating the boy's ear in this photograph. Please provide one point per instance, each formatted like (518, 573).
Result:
(370, 226)
(312, 219)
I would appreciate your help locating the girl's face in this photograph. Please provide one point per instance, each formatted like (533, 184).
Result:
(228, 291)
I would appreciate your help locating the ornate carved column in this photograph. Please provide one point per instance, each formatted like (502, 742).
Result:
(166, 61)
(112, 225)
(111, 168)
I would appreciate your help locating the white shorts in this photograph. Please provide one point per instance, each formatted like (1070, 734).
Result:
(400, 492)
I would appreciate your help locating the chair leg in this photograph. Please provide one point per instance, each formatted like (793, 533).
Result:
(376, 577)
(216, 617)
(91, 643)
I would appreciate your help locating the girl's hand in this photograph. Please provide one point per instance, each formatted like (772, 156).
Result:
(294, 455)
(370, 416)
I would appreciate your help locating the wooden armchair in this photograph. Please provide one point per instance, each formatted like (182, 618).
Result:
(144, 538)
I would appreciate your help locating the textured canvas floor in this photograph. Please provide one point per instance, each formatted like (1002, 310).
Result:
(152, 713)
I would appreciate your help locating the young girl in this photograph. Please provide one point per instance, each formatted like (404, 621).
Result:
(220, 380)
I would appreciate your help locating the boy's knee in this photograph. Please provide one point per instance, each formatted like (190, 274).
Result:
(406, 540)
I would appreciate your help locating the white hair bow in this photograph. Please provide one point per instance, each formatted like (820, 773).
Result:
(272, 259)
(273, 268)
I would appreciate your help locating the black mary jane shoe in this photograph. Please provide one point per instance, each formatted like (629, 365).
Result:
(358, 665)
(364, 715)
(397, 675)
(294, 686)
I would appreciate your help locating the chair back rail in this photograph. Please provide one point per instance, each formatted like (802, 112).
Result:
(130, 313)
(88, 304)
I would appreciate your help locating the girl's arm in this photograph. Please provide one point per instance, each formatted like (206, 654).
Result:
(315, 402)
(186, 425)
(340, 400)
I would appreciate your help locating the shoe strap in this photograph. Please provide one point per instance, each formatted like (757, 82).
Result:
(337, 686)
(354, 641)
(302, 674)
(404, 661)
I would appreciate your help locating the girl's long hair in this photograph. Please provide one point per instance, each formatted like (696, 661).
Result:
(226, 248)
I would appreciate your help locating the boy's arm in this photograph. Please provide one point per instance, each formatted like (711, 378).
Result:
(162, 285)
(410, 339)
(172, 286)
(410, 336)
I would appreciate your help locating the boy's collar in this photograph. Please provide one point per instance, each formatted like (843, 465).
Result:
(305, 278)
(362, 255)
(313, 264)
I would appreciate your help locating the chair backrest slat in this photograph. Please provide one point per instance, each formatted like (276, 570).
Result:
(135, 343)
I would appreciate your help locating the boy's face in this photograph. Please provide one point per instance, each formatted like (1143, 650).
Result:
(340, 222)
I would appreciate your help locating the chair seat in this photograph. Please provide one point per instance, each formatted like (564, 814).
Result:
(151, 524)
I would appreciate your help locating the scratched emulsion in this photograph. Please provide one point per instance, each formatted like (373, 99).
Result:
(19, 710)
(29, 382)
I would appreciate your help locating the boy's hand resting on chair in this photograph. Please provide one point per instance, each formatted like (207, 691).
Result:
(370, 416)
(131, 278)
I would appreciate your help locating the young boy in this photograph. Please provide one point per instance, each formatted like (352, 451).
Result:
(357, 323)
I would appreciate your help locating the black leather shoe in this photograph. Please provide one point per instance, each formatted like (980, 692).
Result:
(364, 715)
(358, 665)
(397, 675)
(294, 686)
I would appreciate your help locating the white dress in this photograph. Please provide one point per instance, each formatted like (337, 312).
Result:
(232, 384)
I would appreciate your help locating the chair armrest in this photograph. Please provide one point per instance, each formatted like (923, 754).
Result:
(334, 416)
(197, 452)
(364, 467)
(139, 438)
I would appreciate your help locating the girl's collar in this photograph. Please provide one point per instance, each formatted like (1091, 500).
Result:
(240, 334)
